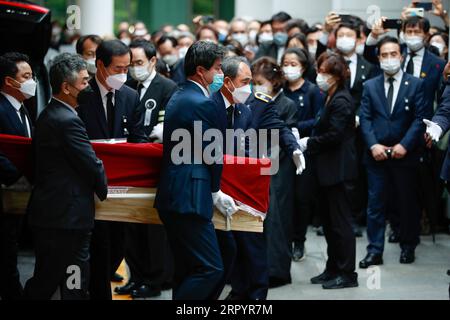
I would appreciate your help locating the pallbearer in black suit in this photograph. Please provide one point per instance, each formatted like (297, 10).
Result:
(147, 251)
(68, 174)
(16, 85)
(110, 110)
(331, 148)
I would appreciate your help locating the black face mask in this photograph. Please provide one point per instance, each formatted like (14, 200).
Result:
(84, 94)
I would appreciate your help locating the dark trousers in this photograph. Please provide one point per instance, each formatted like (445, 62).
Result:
(198, 263)
(228, 252)
(107, 252)
(148, 255)
(250, 274)
(10, 286)
(62, 259)
(337, 227)
(404, 180)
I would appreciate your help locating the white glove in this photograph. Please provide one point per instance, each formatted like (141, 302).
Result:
(21, 185)
(303, 143)
(157, 133)
(433, 130)
(224, 203)
(299, 161)
(357, 123)
(296, 134)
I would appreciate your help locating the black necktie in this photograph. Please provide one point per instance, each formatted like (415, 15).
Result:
(111, 114)
(410, 66)
(23, 117)
(140, 87)
(230, 112)
(349, 80)
(390, 96)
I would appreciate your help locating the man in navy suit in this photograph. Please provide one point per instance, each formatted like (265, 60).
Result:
(190, 185)
(419, 62)
(110, 110)
(16, 85)
(392, 110)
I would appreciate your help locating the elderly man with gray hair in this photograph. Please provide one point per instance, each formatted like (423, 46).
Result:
(67, 175)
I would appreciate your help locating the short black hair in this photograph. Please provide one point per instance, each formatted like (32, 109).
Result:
(149, 48)
(298, 23)
(201, 54)
(80, 43)
(388, 39)
(230, 66)
(302, 57)
(422, 23)
(109, 49)
(166, 38)
(65, 68)
(280, 17)
(350, 25)
(8, 65)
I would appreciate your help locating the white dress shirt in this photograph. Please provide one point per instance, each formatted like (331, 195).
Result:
(17, 105)
(147, 84)
(418, 60)
(397, 83)
(353, 67)
(280, 53)
(227, 105)
(103, 93)
(205, 92)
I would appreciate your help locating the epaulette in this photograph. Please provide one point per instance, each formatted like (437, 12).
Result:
(263, 97)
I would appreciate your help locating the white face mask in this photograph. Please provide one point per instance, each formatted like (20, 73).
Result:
(439, 46)
(252, 36)
(312, 51)
(292, 73)
(265, 37)
(170, 59)
(414, 43)
(345, 44)
(240, 95)
(140, 73)
(323, 82)
(390, 66)
(182, 52)
(264, 89)
(242, 38)
(116, 81)
(360, 49)
(28, 88)
(91, 67)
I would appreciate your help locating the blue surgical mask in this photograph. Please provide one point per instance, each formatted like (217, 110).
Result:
(280, 38)
(217, 83)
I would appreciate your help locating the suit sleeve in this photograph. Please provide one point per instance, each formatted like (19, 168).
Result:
(442, 116)
(341, 114)
(209, 120)
(137, 133)
(9, 174)
(365, 118)
(81, 155)
(317, 102)
(415, 132)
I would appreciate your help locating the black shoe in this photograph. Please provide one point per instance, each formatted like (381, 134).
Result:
(372, 259)
(234, 297)
(298, 252)
(166, 286)
(116, 278)
(145, 291)
(319, 231)
(275, 282)
(394, 238)
(126, 289)
(341, 282)
(323, 278)
(357, 231)
(407, 256)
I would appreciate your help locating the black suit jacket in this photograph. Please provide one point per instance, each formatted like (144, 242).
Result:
(129, 121)
(364, 71)
(68, 172)
(332, 143)
(267, 50)
(10, 124)
(155, 98)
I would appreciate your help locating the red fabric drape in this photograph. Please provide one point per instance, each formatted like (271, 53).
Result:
(139, 165)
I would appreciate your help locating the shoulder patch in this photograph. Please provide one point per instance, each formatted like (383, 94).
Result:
(263, 97)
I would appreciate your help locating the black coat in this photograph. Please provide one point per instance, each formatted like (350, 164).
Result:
(332, 143)
(67, 172)
(364, 71)
(129, 120)
(157, 96)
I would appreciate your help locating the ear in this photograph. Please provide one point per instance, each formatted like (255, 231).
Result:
(10, 82)
(65, 88)
(153, 60)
